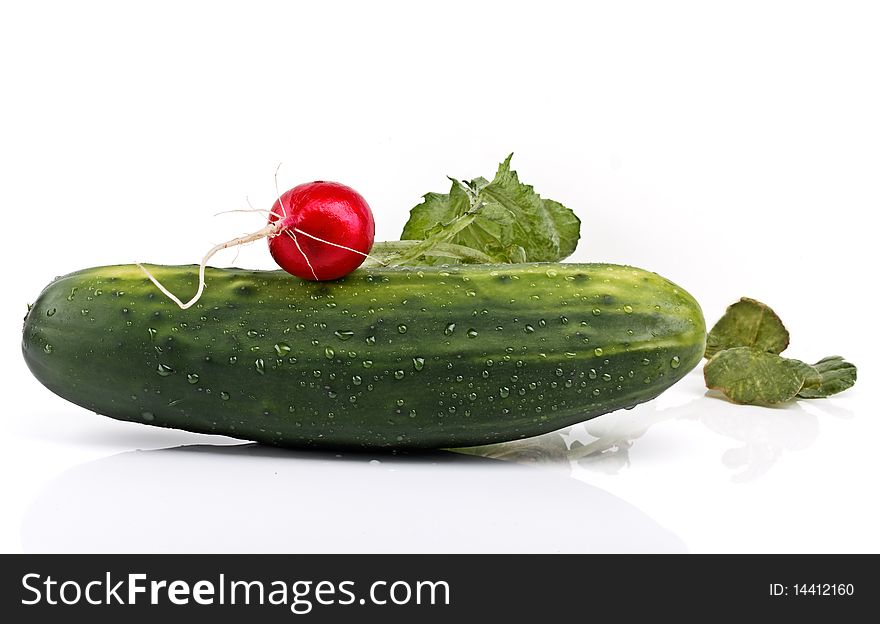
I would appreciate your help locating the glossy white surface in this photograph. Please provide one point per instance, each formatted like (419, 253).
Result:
(684, 473)
(731, 148)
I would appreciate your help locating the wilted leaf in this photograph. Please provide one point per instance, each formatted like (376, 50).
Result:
(390, 252)
(754, 377)
(748, 323)
(833, 375)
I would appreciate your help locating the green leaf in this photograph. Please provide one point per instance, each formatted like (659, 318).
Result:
(547, 230)
(748, 323)
(503, 219)
(832, 375)
(436, 212)
(755, 377)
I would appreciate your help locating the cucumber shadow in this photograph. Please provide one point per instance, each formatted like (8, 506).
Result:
(252, 498)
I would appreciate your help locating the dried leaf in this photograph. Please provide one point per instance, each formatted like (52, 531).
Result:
(755, 377)
(832, 375)
(748, 323)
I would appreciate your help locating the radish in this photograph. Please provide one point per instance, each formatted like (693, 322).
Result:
(310, 216)
(317, 231)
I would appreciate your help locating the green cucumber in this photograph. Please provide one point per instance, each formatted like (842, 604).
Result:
(411, 357)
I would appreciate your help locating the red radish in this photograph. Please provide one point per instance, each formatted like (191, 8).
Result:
(317, 231)
(326, 231)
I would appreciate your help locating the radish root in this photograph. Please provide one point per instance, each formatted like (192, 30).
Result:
(326, 242)
(278, 192)
(273, 229)
(270, 230)
(308, 262)
(263, 210)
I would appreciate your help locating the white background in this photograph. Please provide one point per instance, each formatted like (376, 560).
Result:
(732, 147)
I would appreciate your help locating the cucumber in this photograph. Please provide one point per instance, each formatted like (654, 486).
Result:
(412, 357)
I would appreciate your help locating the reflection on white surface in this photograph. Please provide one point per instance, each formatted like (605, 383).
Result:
(249, 498)
(762, 434)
